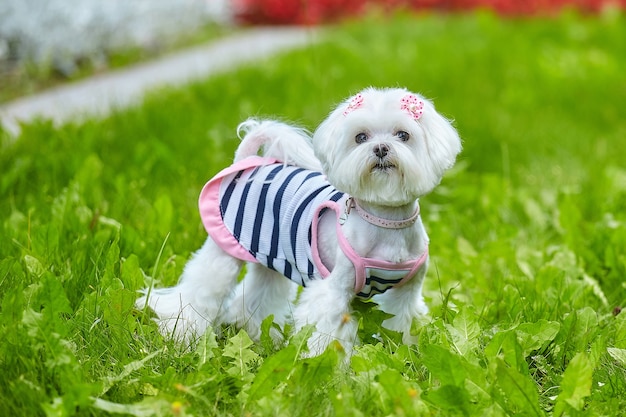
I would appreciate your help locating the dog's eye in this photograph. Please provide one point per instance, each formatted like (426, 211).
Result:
(360, 138)
(404, 136)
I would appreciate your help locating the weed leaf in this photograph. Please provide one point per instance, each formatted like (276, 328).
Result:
(108, 382)
(450, 397)
(506, 345)
(445, 366)
(534, 336)
(516, 344)
(517, 392)
(619, 355)
(400, 391)
(576, 384)
(147, 407)
(274, 371)
(464, 331)
(206, 344)
(239, 349)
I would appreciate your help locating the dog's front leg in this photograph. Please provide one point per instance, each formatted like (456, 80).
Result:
(326, 304)
(406, 304)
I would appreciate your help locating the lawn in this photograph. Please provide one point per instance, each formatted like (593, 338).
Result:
(528, 236)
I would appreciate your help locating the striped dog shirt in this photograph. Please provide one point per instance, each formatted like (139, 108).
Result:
(260, 210)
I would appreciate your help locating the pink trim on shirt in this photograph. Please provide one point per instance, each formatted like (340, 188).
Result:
(209, 203)
(360, 263)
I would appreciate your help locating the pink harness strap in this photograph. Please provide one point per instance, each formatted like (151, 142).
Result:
(361, 264)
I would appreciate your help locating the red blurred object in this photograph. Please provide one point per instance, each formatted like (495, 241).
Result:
(311, 12)
(303, 12)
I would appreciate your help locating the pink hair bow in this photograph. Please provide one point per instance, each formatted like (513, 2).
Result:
(355, 103)
(412, 105)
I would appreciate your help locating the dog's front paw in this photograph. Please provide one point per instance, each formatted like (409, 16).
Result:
(319, 342)
(402, 325)
(341, 332)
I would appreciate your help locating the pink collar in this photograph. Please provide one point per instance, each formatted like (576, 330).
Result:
(379, 221)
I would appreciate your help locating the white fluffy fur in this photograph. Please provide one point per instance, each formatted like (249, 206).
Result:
(208, 293)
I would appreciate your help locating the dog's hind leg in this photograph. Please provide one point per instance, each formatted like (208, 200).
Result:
(197, 301)
(263, 292)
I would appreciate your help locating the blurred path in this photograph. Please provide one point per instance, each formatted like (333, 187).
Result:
(96, 96)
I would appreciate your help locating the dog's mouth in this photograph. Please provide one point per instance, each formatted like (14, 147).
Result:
(383, 166)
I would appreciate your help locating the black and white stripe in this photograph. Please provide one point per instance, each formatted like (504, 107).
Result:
(269, 209)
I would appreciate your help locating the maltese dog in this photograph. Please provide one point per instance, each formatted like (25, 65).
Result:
(337, 215)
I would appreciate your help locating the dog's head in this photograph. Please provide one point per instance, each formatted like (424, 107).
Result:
(386, 146)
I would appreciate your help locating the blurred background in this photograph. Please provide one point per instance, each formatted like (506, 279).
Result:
(47, 41)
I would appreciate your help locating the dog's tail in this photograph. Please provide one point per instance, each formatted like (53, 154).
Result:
(281, 141)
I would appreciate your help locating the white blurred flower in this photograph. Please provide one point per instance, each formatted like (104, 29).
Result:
(61, 32)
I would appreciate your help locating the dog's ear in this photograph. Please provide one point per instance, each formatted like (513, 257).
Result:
(442, 140)
(327, 136)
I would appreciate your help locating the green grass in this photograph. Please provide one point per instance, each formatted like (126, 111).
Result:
(528, 251)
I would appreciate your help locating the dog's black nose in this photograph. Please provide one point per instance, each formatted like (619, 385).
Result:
(381, 150)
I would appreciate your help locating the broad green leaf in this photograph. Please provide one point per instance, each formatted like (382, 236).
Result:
(366, 355)
(400, 391)
(506, 344)
(206, 345)
(33, 265)
(450, 397)
(276, 369)
(575, 385)
(32, 320)
(131, 274)
(117, 312)
(270, 330)
(301, 338)
(52, 296)
(88, 177)
(239, 349)
(516, 392)
(587, 323)
(579, 328)
(534, 336)
(445, 366)
(620, 330)
(518, 343)
(618, 354)
(370, 318)
(464, 331)
(42, 336)
(148, 407)
(597, 349)
(311, 371)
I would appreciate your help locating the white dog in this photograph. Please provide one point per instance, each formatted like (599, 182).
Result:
(340, 218)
